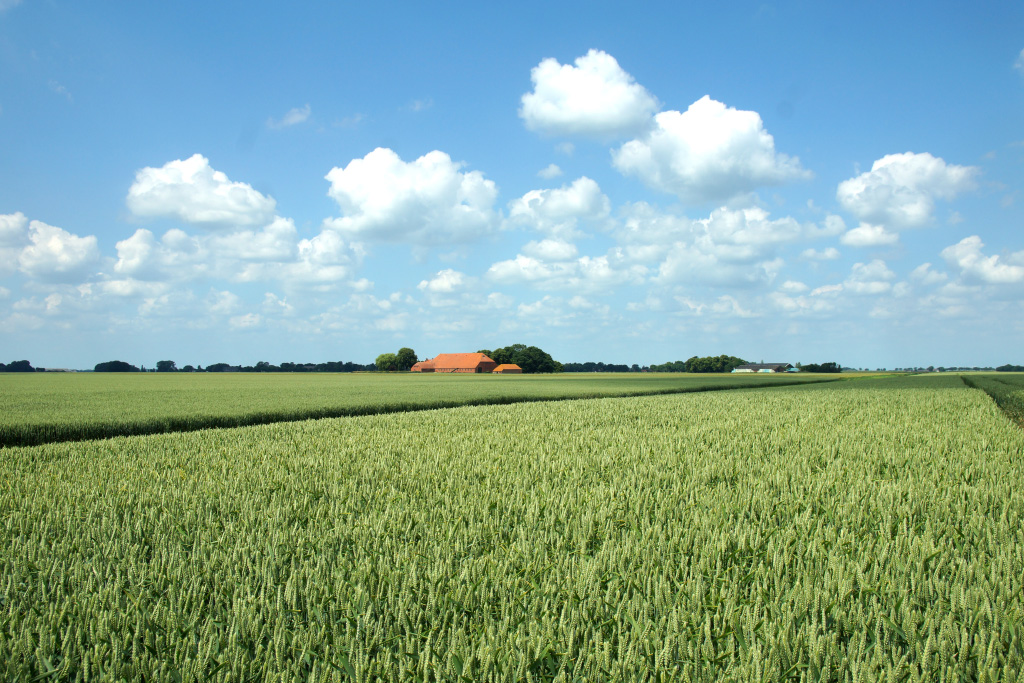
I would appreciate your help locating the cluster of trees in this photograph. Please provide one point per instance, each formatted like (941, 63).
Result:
(820, 367)
(591, 366)
(19, 366)
(262, 366)
(721, 363)
(397, 362)
(1010, 368)
(530, 358)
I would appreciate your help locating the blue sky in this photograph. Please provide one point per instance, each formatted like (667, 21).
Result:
(240, 182)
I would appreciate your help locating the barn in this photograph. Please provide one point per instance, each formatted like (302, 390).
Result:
(456, 362)
(508, 369)
(763, 367)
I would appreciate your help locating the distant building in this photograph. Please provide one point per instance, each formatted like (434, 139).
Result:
(456, 362)
(764, 367)
(508, 369)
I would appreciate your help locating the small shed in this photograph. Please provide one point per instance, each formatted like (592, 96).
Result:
(508, 369)
(423, 366)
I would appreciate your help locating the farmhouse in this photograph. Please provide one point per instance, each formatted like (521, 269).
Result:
(764, 367)
(508, 369)
(456, 362)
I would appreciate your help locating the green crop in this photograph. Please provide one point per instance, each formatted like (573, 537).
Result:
(50, 407)
(1006, 389)
(857, 531)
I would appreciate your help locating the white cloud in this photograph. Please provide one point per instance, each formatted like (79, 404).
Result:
(827, 254)
(55, 255)
(870, 278)
(222, 302)
(551, 250)
(595, 98)
(585, 273)
(192, 191)
(866, 235)
(8, 4)
(291, 118)
(967, 256)
(710, 152)
(793, 287)
(550, 171)
(926, 276)
(1018, 65)
(558, 212)
(273, 253)
(426, 202)
(446, 281)
(900, 189)
(13, 238)
(4, 293)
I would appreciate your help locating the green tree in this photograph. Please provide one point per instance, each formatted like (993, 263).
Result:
(406, 358)
(530, 358)
(166, 366)
(387, 362)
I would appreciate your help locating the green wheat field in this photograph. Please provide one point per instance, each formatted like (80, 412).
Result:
(866, 529)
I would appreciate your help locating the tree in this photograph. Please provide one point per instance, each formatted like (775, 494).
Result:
(188, 368)
(166, 366)
(115, 366)
(406, 358)
(530, 358)
(387, 362)
(19, 366)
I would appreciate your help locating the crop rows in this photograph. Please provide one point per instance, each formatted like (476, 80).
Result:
(50, 407)
(848, 532)
(1006, 389)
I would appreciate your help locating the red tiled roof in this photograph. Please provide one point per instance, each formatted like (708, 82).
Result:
(459, 360)
(507, 367)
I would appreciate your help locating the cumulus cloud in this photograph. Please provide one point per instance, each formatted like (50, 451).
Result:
(870, 278)
(968, 258)
(192, 191)
(926, 276)
(826, 254)
(586, 273)
(866, 235)
(900, 189)
(426, 202)
(444, 282)
(550, 171)
(710, 152)
(595, 98)
(558, 212)
(55, 255)
(291, 118)
(273, 253)
(551, 250)
(13, 238)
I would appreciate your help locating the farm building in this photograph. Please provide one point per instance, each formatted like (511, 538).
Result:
(764, 367)
(508, 369)
(456, 362)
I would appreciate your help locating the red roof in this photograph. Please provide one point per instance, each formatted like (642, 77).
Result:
(508, 367)
(460, 361)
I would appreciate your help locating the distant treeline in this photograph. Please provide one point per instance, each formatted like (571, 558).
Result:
(262, 366)
(19, 366)
(701, 364)
(591, 366)
(1010, 368)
